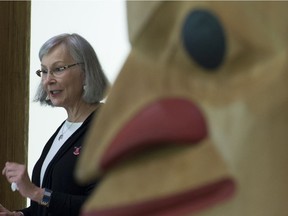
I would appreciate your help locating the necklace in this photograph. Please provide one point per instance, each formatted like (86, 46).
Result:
(72, 123)
(62, 129)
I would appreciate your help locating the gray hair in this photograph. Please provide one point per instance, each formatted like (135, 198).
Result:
(82, 52)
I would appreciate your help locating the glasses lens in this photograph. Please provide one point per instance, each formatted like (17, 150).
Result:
(58, 71)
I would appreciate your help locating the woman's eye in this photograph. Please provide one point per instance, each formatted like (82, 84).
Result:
(44, 71)
(59, 69)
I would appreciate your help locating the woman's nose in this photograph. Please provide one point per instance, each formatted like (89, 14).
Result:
(48, 78)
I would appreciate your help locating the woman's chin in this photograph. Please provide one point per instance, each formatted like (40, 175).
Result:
(56, 103)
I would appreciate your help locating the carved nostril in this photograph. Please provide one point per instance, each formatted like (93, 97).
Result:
(204, 39)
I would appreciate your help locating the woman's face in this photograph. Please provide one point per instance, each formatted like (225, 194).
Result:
(65, 89)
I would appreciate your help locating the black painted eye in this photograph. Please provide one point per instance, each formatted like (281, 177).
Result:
(204, 39)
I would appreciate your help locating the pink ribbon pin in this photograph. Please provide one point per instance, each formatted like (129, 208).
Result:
(77, 150)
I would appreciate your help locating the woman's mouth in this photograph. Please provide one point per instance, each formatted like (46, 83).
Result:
(55, 92)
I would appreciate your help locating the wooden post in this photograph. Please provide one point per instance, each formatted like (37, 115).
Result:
(14, 93)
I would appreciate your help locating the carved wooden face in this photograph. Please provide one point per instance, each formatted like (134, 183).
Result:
(196, 122)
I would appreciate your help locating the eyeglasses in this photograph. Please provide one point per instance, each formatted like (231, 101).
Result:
(56, 72)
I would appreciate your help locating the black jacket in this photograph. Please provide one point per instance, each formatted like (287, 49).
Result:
(67, 196)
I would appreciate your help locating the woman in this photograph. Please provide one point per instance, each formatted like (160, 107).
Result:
(72, 78)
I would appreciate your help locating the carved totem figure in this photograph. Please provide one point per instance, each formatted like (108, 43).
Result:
(196, 122)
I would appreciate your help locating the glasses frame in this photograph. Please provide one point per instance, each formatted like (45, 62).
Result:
(58, 69)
